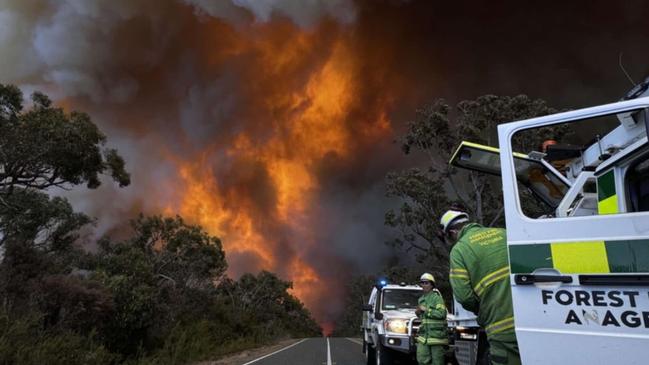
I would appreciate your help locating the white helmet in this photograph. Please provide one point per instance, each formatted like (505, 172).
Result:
(452, 217)
(427, 277)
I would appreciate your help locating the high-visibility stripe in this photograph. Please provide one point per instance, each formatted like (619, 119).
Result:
(491, 278)
(527, 258)
(625, 256)
(606, 194)
(459, 273)
(608, 205)
(500, 277)
(580, 257)
(432, 341)
(500, 326)
(459, 276)
(628, 256)
(606, 185)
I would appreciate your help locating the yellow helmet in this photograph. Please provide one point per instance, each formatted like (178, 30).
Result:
(427, 277)
(452, 217)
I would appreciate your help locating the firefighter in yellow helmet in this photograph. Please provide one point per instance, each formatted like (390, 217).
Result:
(432, 335)
(480, 280)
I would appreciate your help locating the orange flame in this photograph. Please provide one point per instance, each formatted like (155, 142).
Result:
(305, 121)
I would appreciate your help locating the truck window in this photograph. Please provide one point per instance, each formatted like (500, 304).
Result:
(587, 153)
(400, 299)
(637, 183)
(533, 174)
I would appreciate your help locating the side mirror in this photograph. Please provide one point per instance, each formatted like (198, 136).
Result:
(367, 308)
(378, 316)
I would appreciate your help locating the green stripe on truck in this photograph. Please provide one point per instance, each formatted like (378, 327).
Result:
(526, 258)
(629, 256)
(605, 186)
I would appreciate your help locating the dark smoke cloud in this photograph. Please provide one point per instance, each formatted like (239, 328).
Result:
(168, 81)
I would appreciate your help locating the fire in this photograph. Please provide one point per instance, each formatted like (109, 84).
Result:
(203, 202)
(304, 121)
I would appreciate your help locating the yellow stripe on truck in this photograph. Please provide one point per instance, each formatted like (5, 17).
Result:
(608, 205)
(580, 257)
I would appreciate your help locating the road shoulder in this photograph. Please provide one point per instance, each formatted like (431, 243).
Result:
(245, 356)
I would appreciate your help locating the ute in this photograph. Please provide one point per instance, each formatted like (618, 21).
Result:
(577, 219)
(389, 328)
(389, 323)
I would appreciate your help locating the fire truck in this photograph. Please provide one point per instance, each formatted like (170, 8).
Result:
(577, 219)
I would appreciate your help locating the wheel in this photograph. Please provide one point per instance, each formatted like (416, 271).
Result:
(483, 351)
(383, 355)
(370, 355)
(450, 358)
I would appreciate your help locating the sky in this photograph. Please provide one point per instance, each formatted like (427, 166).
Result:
(272, 123)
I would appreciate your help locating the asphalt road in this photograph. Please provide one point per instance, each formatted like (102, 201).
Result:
(316, 351)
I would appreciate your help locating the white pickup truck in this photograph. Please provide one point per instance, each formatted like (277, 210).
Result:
(390, 326)
(389, 323)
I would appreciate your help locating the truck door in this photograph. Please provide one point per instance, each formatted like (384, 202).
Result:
(580, 276)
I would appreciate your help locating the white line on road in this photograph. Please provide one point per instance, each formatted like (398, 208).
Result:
(282, 349)
(358, 342)
(328, 352)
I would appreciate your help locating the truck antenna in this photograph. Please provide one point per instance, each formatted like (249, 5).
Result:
(624, 70)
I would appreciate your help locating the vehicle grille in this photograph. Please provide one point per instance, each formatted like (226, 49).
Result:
(466, 352)
(413, 326)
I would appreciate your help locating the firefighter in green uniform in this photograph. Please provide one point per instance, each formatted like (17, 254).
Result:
(480, 280)
(432, 336)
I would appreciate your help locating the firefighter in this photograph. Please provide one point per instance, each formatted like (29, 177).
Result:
(480, 280)
(432, 335)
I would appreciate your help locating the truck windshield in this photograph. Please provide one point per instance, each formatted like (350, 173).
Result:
(400, 298)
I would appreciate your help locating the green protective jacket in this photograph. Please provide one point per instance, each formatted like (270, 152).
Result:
(433, 328)
(480, 279)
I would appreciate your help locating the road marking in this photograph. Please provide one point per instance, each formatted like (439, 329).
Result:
(280, 350)
(328, 352)
(358, 342)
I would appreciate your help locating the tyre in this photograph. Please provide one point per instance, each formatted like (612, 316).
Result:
(483, 351)
(383, 356)
(370, 354)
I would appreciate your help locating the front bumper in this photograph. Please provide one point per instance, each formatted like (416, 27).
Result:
(401, 343)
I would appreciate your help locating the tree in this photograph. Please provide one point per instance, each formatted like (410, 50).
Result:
(152, 276)
(40, 148)
(427, 192)
(32, 216)
(184, 254)
(44, 146)
(265, 306)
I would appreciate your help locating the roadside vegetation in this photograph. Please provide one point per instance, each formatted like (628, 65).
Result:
(158, 296)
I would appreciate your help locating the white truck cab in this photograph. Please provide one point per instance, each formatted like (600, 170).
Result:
(580, 270)
(389, 322)
(389, 327)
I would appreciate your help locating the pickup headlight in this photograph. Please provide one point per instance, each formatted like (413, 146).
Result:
(396, 325)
